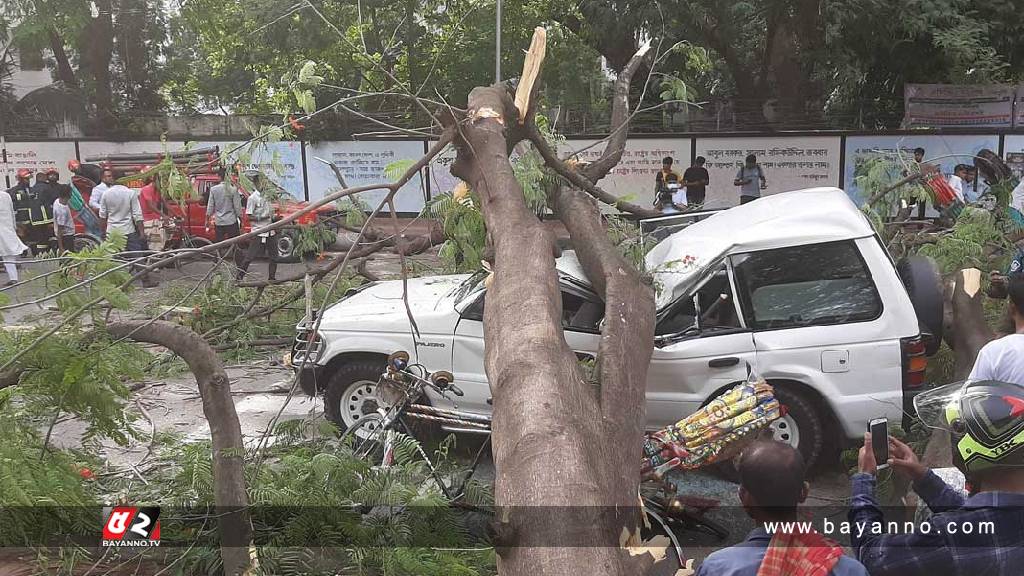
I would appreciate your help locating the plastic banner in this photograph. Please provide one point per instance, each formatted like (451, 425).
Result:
(364, 163)
(944, 151)
(938, 105)
(788, 162)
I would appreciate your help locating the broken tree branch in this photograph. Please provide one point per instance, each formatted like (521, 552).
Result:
(230, 493)
(579, 180)
(612, 154)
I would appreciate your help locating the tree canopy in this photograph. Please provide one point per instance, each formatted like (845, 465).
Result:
(841, 64)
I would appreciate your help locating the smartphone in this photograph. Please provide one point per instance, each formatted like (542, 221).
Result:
(879, 429)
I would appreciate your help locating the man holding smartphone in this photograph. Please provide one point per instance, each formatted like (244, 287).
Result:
(979, 535)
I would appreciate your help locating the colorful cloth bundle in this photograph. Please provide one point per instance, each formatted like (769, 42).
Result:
(714, 433)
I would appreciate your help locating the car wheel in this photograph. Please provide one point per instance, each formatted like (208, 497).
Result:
(921, 278)
(351, 393)
(85, 242)
(284, 248)
(801, 425)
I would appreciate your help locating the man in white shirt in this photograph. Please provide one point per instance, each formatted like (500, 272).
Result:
(64, 221)
(120, 210)
(1003, 359)
(1017, 198)
(956, 181)
(97, 192)
(261, 213)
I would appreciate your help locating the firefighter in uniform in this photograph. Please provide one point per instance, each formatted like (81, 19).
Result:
(20, 197)
(40, 229)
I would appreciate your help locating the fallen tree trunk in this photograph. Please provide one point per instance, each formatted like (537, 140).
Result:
(229, 487)
(566, 446)
(966, 315)
(972, 332)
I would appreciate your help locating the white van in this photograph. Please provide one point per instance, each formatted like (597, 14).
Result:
(796, 285)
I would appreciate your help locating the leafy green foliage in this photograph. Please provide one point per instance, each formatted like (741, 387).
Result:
(626, 236)
(314, 239)
(974, 242)
(97, 263)
(459, 211)
(40, 498)
(310, 500)
(76, 375)
(221, 303)
(464, 230)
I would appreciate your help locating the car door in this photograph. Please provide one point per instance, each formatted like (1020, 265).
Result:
(818, 320)
(702, 345)
(582, 313)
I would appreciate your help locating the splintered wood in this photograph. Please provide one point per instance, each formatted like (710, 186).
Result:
(531, 70)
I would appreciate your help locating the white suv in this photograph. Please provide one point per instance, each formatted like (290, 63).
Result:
(795, 285)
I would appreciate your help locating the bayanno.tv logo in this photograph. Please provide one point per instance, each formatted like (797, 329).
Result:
(131, 526)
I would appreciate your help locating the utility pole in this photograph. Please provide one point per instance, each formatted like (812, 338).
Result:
(497, 46)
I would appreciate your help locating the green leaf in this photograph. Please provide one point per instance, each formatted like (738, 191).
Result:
(112, 294)
(396, 169)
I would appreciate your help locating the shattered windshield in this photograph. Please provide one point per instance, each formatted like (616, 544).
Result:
(470, 285)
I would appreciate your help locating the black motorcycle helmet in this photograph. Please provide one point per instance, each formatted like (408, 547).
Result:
(985, 420)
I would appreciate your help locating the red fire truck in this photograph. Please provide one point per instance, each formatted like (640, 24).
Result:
(188, 220)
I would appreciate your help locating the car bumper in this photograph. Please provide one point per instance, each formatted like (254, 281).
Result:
(311, 378)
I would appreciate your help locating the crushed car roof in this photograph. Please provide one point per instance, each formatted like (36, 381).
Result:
(807, 216)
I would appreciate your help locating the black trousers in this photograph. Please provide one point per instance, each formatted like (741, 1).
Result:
(226, 232)
(745, 199)
(222, 233)
(258, 247)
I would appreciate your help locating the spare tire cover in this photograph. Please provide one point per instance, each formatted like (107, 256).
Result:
(921, 278)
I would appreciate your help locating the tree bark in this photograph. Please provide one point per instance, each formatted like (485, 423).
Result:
(65, 73)
(97, 49)
(566, 448)
(972, 332)
(230, 493)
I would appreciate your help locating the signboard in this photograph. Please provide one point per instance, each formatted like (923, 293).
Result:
(937, 105)
(1018, 108)
(789, 163)
(38, 156)
(279, 161)
(944, 151)
(440, 172)
(364, 163)
(633, 177)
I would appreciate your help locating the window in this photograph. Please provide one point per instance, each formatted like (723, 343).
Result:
(580, 311)
(717, 310)
(812, 285)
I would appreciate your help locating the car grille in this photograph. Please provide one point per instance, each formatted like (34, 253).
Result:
(308, 347)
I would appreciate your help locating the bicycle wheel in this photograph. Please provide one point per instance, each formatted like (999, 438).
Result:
(369, 441)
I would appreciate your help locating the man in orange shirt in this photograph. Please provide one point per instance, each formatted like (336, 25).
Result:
(152, 213)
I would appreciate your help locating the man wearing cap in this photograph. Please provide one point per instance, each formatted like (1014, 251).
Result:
(37, 233)
(20, 198)
(89, 171)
